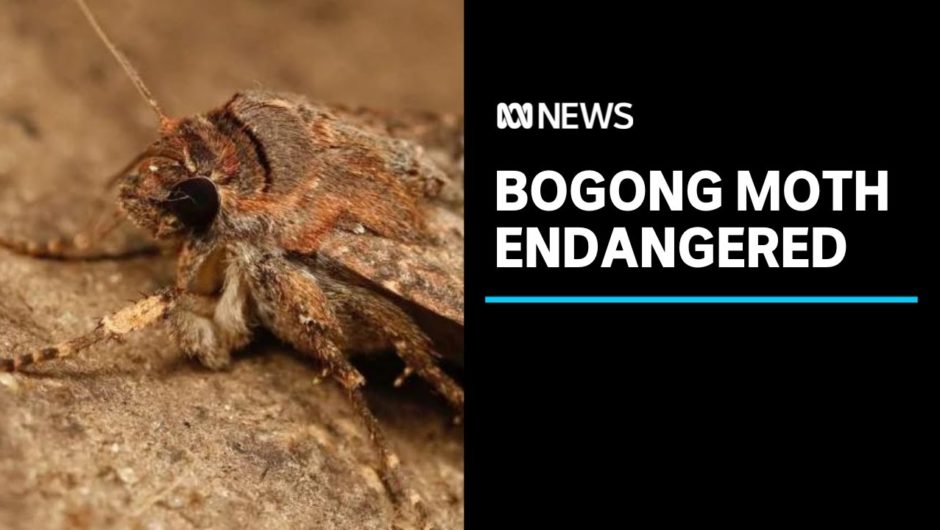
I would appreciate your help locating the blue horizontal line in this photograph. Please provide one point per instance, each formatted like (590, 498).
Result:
(701, 299)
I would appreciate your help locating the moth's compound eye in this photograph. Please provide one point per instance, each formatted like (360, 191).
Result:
(195, 202)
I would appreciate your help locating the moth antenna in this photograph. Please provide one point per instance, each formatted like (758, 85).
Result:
(125, 64)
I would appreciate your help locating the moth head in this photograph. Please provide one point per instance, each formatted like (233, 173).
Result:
(166, 193)
(168, 201)
(173, 191)
(173, 188)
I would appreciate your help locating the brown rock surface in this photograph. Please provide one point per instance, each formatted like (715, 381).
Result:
(134, 435)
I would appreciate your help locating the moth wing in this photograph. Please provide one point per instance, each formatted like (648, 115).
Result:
(429, 275)
(441, 135)
(435, 131)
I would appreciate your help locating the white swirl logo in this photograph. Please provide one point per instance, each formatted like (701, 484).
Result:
(514, 115)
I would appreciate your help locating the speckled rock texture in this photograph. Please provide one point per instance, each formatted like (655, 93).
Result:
(135, 435)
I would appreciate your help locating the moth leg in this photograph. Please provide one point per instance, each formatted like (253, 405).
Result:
(112, 327)
(292, 304)
(78, 247)
(210, 328)
(212, 317)
(358, 305)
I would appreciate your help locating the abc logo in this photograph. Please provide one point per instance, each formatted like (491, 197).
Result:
(564, 116)
(514, 115)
